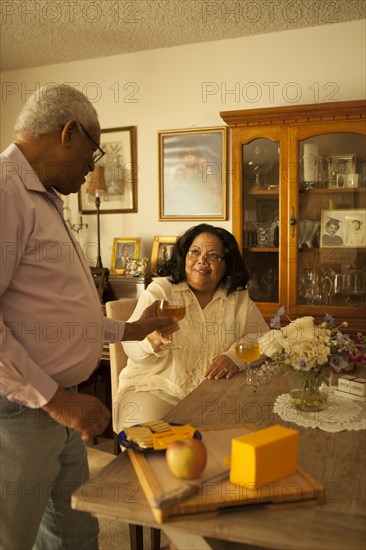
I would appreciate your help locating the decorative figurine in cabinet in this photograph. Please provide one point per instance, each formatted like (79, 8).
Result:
(299, 207)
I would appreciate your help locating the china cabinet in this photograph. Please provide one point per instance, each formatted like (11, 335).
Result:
(299, 207)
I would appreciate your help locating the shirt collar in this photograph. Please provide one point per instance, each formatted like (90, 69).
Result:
(25, 171)
(221, 292)
(27, 174)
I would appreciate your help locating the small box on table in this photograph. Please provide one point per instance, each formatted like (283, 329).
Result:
(352, 387)
(264, 456)
(358, 386)
(344, 382)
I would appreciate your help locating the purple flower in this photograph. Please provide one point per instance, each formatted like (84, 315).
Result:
(342, 339)
(303, 364)
(338, 363)
(329, 319)
(275, 321)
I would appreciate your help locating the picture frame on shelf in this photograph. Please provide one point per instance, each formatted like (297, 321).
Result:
(119, 169)
(340, 165)
(343, 228)
(124, 250)
(161, 252)
(193, 174)
(347, 181)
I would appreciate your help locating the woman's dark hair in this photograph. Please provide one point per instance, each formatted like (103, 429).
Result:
(236, 274)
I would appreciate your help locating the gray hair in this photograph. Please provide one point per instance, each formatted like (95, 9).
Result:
(50, 107)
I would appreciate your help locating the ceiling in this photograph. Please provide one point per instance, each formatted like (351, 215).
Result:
(43, 32)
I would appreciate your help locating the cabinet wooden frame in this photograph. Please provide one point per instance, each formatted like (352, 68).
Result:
(289, 126)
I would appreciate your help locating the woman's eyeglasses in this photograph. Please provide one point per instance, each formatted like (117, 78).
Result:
(210, 257)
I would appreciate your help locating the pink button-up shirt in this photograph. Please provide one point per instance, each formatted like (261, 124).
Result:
(52, 324)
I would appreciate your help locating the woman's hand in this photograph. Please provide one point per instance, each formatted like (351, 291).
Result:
(221, 367)
(158, 339)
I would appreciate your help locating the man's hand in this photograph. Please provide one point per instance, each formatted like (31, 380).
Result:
(84, 413)
(148, 323)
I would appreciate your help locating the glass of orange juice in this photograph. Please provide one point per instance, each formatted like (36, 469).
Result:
(248, 351)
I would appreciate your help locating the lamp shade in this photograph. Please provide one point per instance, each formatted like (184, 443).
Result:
(96, 182)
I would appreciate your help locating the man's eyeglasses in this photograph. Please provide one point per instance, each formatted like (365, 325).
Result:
(210, 257)
(99, 153)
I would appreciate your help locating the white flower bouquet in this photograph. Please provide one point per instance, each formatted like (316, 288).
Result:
(310, 352)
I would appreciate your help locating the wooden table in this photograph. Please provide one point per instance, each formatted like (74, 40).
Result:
(337, 460)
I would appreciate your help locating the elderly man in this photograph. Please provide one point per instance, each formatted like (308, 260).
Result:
(52, 326)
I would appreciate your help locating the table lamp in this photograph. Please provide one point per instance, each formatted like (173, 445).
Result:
(97, 186)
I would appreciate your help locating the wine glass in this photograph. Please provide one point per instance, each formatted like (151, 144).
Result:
(175, 307)
(248, 352)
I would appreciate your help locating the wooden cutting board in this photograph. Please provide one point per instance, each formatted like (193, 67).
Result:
(156, 480)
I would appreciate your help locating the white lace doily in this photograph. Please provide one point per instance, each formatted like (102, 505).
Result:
(341, 414)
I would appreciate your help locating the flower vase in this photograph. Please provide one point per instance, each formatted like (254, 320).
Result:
(309, 390)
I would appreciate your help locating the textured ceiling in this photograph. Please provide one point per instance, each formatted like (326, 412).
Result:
(38, 32)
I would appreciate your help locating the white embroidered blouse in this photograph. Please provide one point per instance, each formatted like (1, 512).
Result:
(203, 335)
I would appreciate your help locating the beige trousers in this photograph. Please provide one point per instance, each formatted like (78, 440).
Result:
(138, 407)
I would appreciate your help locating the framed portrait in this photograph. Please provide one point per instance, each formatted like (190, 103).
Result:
(114, 176)
(345, 228)
(161, 252)
(339, 167)
(347, 180)
(193, 174)
(124, 250)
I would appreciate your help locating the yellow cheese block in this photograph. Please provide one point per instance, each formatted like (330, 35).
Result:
(264, 456)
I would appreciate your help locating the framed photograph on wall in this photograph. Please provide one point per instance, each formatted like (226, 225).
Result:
(124, 250)
(193, 174)
(161, 252)
(345, 228)
(116, 174)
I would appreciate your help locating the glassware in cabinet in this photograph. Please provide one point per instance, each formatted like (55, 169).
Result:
(260, 205)
(332, 220)
(321, 172)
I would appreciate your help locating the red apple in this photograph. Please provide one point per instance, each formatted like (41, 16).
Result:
(186, 458)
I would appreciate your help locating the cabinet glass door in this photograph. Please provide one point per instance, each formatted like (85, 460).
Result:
(332, 220)
(260, 207)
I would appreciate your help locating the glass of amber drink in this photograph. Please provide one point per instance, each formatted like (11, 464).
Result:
(248, 352)
(172, 308)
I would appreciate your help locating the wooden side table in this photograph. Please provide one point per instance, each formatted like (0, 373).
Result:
(125, 287)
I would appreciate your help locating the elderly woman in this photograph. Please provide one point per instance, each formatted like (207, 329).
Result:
(208, 271)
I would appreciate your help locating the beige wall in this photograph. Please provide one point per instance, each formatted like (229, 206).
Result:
(293, 67)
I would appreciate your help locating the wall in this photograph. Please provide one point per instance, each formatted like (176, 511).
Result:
(188, 86)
